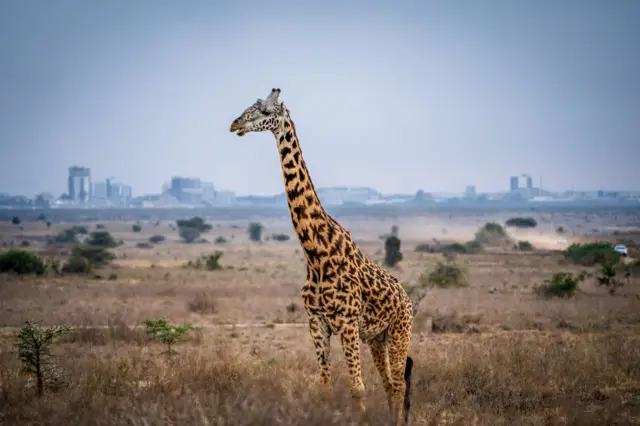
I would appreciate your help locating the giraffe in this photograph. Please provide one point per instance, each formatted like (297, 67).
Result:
(345, 293)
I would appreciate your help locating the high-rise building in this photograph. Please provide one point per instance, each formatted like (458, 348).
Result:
(529, 182)
(514, 185)
(180, 184)
(79, 183)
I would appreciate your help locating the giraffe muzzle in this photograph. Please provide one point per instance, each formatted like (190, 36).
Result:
(235, 127)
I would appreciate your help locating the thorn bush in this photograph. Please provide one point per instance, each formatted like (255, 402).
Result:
(35, 352)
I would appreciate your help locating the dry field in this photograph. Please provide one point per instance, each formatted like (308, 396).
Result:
(491, 353)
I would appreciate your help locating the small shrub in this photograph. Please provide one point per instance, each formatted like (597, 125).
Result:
(144, 245)
(522, 222)
(445, 275)
(561, 284)
(280, 237)
(34, 350)
(524, 246)
(491, 233)
(212, 261)
(68, 236)
(48, 224)
(560, 230)
(156, 239)
(608, 278)
(189, 235)
(392, 254)
(21, 262)
(255, 231)
(15, 220)
(136, 228)
(425, 248)
(97, 256)
(102, 239)
(195, 223)
(160, 329)
(220, 240)
(76, 265)
(590, 254)
(25, 243)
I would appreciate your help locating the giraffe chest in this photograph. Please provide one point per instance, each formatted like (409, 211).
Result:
(331, 301)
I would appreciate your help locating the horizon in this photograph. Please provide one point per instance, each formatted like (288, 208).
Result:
(439, 96)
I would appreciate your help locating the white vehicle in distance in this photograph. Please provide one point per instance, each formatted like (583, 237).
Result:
(621, 249)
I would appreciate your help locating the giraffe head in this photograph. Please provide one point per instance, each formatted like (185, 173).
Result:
(262, 115)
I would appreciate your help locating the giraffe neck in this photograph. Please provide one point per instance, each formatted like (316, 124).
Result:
(310, 220)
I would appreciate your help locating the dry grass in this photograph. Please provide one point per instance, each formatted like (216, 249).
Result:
(493, 352)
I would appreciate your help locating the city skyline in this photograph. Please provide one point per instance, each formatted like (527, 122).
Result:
(434, 96)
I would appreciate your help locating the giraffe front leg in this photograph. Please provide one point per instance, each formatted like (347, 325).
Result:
(350, 339)
(321, 335)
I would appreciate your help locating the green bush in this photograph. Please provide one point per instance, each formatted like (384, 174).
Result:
(522, 222)
(255, 231)
(195, 223)
(68, 236)
(76, 265)
(220, 240)
(608, 277)
(392, 254)
(590, 254)
(491, 233)
(561, 284)
(445, 275)
(156, 239)
(144, 245)
(280, 237)
(97, 256)
(35, 345)
(524, 246)
(460, 248)
(136, 228)
(21, 262)
(189, 235)
(102, 239)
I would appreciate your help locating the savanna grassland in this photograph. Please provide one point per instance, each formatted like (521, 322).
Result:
(497, 339)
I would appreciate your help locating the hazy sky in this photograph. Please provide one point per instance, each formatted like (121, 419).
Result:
(394, 95)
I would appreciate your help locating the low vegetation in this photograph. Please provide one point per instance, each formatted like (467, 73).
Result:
(190, 230)
(521, 222)
(35, 344)
(445, 274)
(591, 254)
(209, 262)
(524, 246)
(491, 234)
(157, 239)
(21, 262)
(561, 284)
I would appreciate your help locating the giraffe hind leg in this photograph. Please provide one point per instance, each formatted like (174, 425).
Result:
(321, 336)
(401, 366)
(380, 355)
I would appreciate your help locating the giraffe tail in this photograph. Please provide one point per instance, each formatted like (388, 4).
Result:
(407, 393)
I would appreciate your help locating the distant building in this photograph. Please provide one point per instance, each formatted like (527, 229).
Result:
(514, 184)
(79, 184)
(529, 181)
(470, 191)
(179, 186)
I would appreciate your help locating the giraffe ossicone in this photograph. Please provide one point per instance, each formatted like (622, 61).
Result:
(345, 293)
